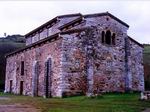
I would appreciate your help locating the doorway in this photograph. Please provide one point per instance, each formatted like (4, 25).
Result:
(21, 87)
(47, 78)
(10, 87)
(35, 78)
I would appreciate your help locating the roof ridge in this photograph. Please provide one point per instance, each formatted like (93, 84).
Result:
(71, 22)
(76, 14)
(69, 15)
(106, 14)
(50, 21)
(41, 26)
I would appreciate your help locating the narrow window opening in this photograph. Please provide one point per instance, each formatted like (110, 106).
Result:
(10, 89)
(107, 19)
(48, 76)
(108, 37)
(103, 37)
(22, 67)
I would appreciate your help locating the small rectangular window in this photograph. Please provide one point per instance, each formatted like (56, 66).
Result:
(22, 67)
(10, 87)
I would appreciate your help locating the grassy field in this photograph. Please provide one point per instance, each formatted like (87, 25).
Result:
(105, 103)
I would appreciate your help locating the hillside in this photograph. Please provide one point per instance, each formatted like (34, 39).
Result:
(7, 45)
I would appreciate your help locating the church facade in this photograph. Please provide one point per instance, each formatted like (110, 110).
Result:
(76, 54)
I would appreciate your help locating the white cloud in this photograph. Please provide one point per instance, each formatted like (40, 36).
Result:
(23, 16)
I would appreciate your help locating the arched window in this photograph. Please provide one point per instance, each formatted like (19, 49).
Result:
(113, 38)
(108, 37)
(103, 37)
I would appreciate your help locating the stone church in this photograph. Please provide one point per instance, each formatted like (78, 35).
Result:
(76, 54)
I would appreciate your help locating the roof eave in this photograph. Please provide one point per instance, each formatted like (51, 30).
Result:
(141, 45)
(45, 24)
(107, 14)
(40, 27)
(45, 40)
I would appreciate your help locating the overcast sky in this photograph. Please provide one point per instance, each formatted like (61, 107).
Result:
(20, 17)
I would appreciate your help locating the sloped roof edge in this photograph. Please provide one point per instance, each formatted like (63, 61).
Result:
(77, 14)
(70, 23)
(106, 14)
(46, 39)
(141, 45)
(50, 21)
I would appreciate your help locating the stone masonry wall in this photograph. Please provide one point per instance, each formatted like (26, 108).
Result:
(81, 63)
(137, 67)
(73, 65)
(40, 54)
(104, 69)
(108, 62)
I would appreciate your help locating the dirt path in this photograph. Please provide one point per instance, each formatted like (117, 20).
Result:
(4, 98)
(147, 110)
(16, 107)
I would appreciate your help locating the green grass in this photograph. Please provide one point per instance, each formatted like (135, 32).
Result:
(106, 103)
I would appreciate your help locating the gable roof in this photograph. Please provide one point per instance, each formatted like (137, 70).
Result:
(77, 14)
(51, 21)
(106, 14)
